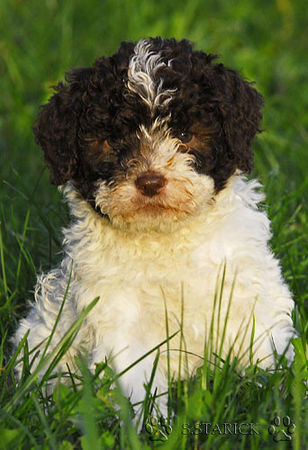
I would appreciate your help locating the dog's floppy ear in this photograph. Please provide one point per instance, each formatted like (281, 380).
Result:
(240, 111)
(56, 127)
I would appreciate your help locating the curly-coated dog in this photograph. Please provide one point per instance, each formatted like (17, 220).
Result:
(150, 147)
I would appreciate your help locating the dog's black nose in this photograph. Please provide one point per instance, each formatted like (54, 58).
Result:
(150, 183)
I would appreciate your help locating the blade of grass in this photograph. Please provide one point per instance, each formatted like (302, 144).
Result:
(87, 408)
(49, 435)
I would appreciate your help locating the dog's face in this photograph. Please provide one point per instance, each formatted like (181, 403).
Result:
(151, 134)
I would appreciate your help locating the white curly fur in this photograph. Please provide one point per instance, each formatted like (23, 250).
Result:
(133, 273)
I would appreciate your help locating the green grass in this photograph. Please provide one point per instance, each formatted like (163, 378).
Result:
(39, 41)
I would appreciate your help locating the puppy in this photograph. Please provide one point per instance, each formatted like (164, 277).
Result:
(150, 147)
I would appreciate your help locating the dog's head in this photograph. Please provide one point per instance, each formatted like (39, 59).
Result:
(151, 134)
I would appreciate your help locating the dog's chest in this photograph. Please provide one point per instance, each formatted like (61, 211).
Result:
(138, 284)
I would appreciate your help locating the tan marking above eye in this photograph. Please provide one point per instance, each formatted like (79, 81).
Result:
(102, 145)
(100, 150)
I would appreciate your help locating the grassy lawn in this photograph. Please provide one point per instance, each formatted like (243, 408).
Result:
(39, 41)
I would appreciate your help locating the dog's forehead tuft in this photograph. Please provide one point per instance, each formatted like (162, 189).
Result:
(143, 78)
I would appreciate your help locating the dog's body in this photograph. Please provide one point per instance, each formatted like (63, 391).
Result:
(152, 143)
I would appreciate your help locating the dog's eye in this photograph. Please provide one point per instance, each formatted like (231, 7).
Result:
(185, 136)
